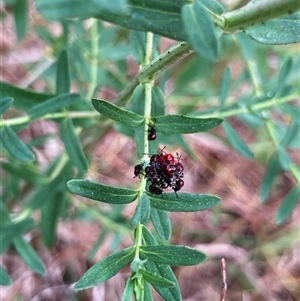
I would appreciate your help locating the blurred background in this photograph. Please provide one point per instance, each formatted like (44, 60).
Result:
(262, 257)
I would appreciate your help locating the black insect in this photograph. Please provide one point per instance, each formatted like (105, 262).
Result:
(151, 133)
(138, 170)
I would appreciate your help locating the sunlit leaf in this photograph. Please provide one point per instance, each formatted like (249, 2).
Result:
(288, 205)
(115, 113)
(186, 202)
(105, 269)
(15, 146)
(103, 193)
(180, 124)
(173, 254)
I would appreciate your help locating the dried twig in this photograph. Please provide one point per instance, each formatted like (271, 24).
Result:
(223, 270)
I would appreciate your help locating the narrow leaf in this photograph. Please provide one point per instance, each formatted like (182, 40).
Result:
(73, 145)
(272, 171)
(288, 205)
(200, 30)
(138, 42)
(158, 102)
(142, 211)
(20, 14)
(63, 82)
(115, 113)
(12, 230)
(283, 30)
(161, 222)
(29, 255)
(4, 278)
(148, 238)
(105, 269)
(15, 146)
(170, 294)
(103, 193)
(52, 105)
(138, 100)
(186, 202)
(128, 291)
(23, 99)
(173, 255)
(155, 279)
(290, 134)
(51, 212)
(283, 157)
(224, 87)
(236, 141)
(180, 124)
(5, 103)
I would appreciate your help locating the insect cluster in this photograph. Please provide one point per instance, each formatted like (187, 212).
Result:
(164, 171)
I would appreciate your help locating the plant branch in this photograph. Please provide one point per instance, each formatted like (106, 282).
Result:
(258, 12)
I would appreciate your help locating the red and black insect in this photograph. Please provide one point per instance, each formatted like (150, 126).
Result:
(151, 133)
(138, 170)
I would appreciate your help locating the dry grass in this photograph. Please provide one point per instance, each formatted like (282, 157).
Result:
(262, 258)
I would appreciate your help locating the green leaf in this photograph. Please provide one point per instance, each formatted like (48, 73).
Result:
(11, 230)
(46, 192)
(147, 292)
(213, 5)
(157, 280)
(5, 103)
(173, 255)
(103, 193)
(142, 211)
(29, 255)
(236, 141)
(284, 72)
(105, 269)
(52, 105)
(161, 222)
(290, 134)
(63, 82)
(148, 237)
(158, 102)
(51, 212)
(73, 145)
(224, 87)
(200, 30)
(186, 202)
(161, 17)
(65, 9)
(272, 171)
(23, 99)
(115, 113)
(128, 291)
(288, 205)
(294, 112)
(15, 146)
(138, 100)
(170, 294)
(283, 30)
(138, 43)
(4, 278)
(20, 14)
(180, 124)
(283, 157)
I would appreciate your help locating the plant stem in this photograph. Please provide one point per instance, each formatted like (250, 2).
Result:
(258, 12)
(94, 66)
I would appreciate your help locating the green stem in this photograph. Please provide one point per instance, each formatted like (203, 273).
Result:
(258, 12)
(94, 65)
(174, 54)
